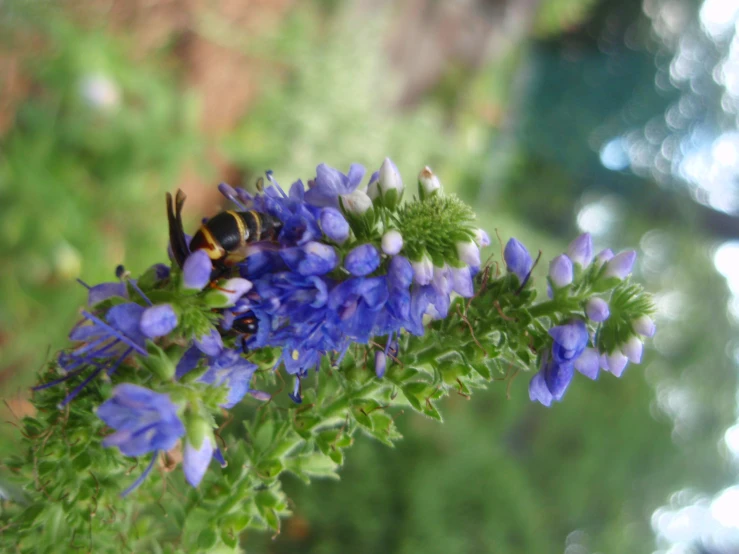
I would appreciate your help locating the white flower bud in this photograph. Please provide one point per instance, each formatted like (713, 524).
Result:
(428, 182)
(469, 253)
(356, 202)
(423, 270)
(390, 177)
(392, 242)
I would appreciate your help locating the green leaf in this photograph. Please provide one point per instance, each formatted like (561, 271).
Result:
(207, 539)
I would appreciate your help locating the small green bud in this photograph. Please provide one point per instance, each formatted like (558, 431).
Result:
(159, 362)
(197, 429)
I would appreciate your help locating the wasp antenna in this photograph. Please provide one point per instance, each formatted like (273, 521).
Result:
(177, 241)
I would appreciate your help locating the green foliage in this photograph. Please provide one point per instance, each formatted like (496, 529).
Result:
(100, 134)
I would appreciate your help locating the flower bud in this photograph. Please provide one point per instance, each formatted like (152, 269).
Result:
(588, 363)
(633, 349)
(620, 265)
(362, 260)
(614, 363)
(428, 183)
(373, 187)
(462, 281)
(228, 293)
(538, 390)
(357, 202)
(196, 270)
(423, 270)
(210, 344)
(392, 242)
(597, 309)
(580, 250)
(389, 178)
(469, 253)
(157, 321)
(603, 256)
(644, 326)
(481, 238)
(560, 271)
(333, 224)
(517, 259)
(380, 363)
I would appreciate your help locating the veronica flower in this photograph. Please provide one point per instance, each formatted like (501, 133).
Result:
(518, 260)
(620, 265)
(195, 461)
(560, 271)
(313, 258)
(570, 340)
(334, 225)
(580, 250)
(196, 270)
(362, 260)
(224, 368)
(392, 242)
(331, 183)
(644, 326)
(597, 309)
(145, 421)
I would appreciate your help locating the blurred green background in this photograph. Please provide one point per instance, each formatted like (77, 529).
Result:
(552, 117)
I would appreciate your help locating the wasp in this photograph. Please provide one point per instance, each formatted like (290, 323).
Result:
(225, 237)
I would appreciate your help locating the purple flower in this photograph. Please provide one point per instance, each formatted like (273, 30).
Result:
(195, 461)
(313, 258)
(620, 265)
(517, 259)
(227, 368)
(157, 321)
(569, 341)
(103, 291)
(356, 302)
(362, 260)
(580, 250)
(538, 390)
(597, 310)
(462, 281)
(558, 377)
(196, 270)
(333, 225)
(330, 183)
(145, 421)
(560, 271)
(210, 344)
(644, 326)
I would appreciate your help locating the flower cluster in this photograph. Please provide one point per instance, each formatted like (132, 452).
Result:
(578, 277)
(346, 262)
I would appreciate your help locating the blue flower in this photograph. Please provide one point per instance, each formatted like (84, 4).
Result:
(313, 258)
(196, 270)
(597, 309)
(517, 259)
(569, 341)
(159, 320)
(145, 421)
(580, 250)
(226, 368)
(195, 461)
(561, 271)
(362, 260)
(551, 382)
(330, 183)
(333, 224)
